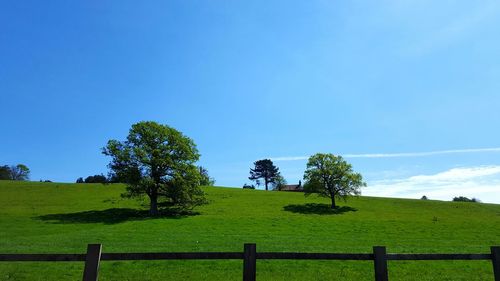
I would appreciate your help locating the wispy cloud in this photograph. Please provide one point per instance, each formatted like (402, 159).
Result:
(446, 32)
(403, 154)
(482, 182)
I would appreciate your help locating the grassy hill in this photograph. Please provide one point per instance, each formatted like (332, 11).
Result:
(52, 217)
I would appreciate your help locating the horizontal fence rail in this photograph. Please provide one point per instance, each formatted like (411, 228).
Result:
(93, 257)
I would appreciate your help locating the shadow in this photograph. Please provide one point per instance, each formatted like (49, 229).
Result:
(114, 215)
(318, 209)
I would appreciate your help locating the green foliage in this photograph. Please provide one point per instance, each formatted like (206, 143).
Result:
(64, 218)
(5, 173)
(205, 180)
(19, 172)
(331, 176)
(424, 198)
(465, 199)
(80, 180)
(279, 183)
(264, 169)
(96, 179)
(247, 186)
(158, 161)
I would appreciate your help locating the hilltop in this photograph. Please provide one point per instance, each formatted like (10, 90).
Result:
(55, 217)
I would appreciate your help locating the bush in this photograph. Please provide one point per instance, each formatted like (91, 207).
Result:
(246, 186)
(96, 179)
(465, 199)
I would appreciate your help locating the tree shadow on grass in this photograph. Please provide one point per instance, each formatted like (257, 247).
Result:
(114, 215)
(318, 209)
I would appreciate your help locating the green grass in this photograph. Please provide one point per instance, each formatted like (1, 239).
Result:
(64, 218)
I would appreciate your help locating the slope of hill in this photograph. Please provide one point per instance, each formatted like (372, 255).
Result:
(53, 217)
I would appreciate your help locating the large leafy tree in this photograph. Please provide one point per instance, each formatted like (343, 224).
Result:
(158, 161)
(264, 169)
(331, 176)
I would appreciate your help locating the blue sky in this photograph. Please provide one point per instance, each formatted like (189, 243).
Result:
(254, 79)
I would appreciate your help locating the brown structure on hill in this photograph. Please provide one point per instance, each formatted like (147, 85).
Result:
(293, 187)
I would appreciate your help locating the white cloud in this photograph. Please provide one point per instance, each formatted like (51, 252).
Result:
(403, 154)
(482, 182)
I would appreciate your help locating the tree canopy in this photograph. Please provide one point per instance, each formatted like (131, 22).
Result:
(19, 172)
(331, 176)
(158, 161)
(264, 169)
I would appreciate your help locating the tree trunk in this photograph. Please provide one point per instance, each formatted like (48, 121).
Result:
(333, 202)
(153, 204)
(266, 183)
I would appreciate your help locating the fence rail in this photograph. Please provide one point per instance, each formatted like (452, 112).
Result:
(94, 256)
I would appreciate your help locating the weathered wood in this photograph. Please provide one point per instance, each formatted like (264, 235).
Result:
(91, 270)
(429, 257)
(172, 256)
(312, 256)
(249, 262)
(380, 263)
(495, 259)
(42, 257)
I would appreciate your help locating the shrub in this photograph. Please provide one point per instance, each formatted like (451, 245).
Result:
(96, 179)
(465, 199)
(246, 186)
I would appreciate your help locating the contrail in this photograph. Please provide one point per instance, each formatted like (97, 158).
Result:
(403, 154)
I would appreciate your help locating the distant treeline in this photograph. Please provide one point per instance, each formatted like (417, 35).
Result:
(458, 199)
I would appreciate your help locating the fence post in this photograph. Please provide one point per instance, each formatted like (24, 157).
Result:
(92, 262)
(249, 262)
(495, 259)
(380, 263)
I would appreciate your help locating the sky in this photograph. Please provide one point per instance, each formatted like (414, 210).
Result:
(407, 91)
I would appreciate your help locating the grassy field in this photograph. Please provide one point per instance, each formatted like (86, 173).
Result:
(52, 217)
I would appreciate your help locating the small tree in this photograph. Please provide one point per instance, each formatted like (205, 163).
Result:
(331, 176)
(205, 180)
(158, 161)
(20, 172)
(279, 183)
(264, 169)
(424, 198)
(79, 180)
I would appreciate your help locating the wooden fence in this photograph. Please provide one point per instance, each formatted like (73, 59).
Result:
(249, 256)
